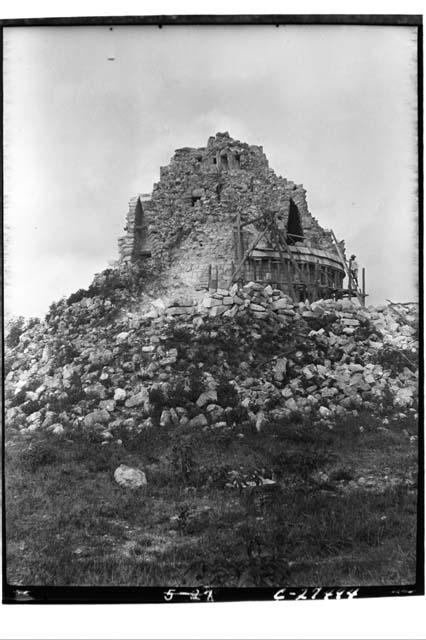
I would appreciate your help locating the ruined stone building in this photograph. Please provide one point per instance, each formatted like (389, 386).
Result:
(219, 214)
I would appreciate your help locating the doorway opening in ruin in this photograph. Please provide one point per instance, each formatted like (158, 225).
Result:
(294, 225)
(224, 162)
(141, 231)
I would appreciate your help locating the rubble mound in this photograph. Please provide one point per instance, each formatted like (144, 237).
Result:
(111, 361)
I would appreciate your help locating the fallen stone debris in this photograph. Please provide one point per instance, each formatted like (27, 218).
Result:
(129, 478)
(225, 358)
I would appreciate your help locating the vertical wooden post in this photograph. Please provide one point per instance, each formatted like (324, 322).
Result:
(316, 276)
(363, 286)
(239, 244)
(210, 276)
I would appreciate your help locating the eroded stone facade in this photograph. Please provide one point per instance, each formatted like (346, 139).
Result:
(187, 226)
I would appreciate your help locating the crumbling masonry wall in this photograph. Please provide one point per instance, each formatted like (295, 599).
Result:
(187, 222)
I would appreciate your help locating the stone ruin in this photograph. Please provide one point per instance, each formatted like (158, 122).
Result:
(201, 227)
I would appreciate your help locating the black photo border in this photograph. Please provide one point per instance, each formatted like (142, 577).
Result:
(31, 594)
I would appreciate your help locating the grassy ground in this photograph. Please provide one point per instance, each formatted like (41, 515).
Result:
(344, 511)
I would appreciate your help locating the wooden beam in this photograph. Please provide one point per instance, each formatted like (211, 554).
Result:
(363, 286)
(244, 224)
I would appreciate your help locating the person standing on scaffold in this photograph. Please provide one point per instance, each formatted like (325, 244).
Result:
(353, 270)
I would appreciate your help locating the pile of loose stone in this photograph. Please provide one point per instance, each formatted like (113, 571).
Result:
(77, 371)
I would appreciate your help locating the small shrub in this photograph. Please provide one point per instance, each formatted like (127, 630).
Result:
(176, 394)
(183, 462)
(15, 331)
(301, 463)
(77, 296)
(195, 384)
(30, 407)
(342, 473)
(64, 355)
(227, 396)
(156, 397)
(18, 399)
(395, 360)
(41, 453)
(178, 337)
(184, 389)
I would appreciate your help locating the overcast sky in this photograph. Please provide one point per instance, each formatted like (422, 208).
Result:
(334, 108)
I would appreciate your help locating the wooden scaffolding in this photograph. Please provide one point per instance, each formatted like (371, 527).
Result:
(297, 280)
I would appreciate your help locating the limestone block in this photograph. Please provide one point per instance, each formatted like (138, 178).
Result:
(119, 395)
(217, 311)
(207, 397)
(130, 478)
(179, 311)
(280, 304)
(209, 302)
(137, 399)
(286, 312)
(100, 416)
(280, 368)
(232, 312)
(108, 405)
(199, 421)
(350, 322)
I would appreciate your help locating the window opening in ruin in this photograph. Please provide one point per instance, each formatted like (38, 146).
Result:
(195, 199)
(214, 161)
(237, 159)
(294, 225)
(224, 162)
